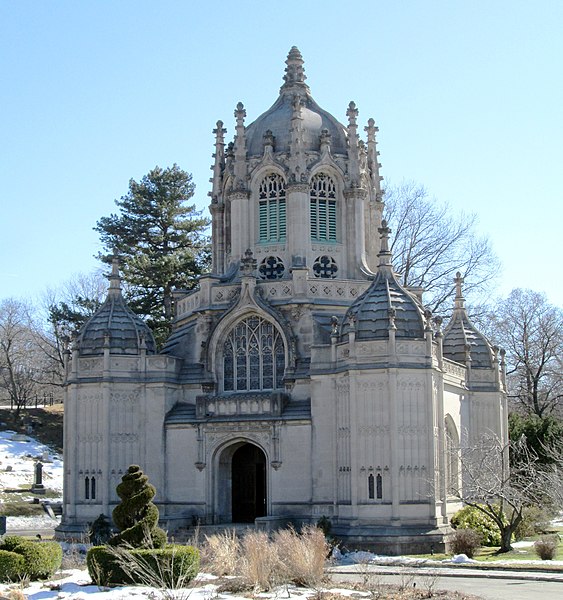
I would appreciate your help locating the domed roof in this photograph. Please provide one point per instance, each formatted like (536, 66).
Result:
(461, 334)
(384, 304)
(277, 120)
(114, 323)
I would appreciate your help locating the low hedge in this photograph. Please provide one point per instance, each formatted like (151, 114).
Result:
(171, 567)
(11, 566)
(41, 559)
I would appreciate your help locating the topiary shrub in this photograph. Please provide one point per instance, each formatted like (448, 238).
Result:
(172, 567)
(136, 516)
(11, 566)
(470, 517)
(41, 559)
(465, 541)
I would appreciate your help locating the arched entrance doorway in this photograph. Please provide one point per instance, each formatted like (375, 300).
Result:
(248, 477)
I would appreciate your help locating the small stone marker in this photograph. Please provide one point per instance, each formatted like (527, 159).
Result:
(38, 487)
(45, 458)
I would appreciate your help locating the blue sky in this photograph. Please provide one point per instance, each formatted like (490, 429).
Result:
(468, 97)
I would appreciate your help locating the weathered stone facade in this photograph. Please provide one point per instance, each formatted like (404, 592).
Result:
(301, 379)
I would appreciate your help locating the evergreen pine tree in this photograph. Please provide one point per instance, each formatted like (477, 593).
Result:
(160, 241)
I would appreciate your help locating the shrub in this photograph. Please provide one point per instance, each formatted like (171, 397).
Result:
(470, 517)
(41, 559)
(302, 555)
(534, 521)
(260, 565)
(11, 566)
(546, 546)
(465, 541)
(136, 516)
(221, 552)
(172, 567)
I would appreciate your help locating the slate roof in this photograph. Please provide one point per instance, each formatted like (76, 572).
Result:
(116, 324)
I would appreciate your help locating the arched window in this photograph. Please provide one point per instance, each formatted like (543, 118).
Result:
(253, 357)
(93, 488)
(322, 194)
(271, 209)
(87, 488)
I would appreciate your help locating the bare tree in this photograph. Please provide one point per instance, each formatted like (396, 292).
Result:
(531, 331)
(501, 491)
(65, 309)
(430, 245)
(20, 364)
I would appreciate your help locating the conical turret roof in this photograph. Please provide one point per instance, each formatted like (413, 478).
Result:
(115, 325)
(385, 304)
(461, 335)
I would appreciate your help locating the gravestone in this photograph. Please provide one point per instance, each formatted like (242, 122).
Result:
(38, 487)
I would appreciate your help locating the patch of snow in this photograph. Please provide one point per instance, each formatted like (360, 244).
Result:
(17, 463)
(460, 559)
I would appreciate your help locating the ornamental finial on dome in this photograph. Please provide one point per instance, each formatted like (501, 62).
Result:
(459, 299)
(384, 254)
(114, 278)
(294, 72)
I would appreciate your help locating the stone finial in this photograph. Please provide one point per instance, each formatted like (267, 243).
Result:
(248, 263)
(269, 139)
(459, 302)
(352, 114)
(114, 278)
(384, 253)
(294, 71)
(240, 114)
(334, 325)
(219, 163)
(438, 324)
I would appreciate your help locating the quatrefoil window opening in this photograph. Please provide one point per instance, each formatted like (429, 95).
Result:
(325, 267)
(271, 267)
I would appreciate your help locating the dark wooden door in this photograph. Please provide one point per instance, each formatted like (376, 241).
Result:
(249, 484)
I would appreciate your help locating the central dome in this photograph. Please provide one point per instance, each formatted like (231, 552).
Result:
(277, 119)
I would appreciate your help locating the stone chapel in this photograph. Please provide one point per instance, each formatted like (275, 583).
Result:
(301, 379)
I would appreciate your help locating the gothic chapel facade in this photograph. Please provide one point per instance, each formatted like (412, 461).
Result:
(301, 378)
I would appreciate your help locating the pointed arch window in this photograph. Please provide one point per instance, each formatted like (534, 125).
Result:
(253, 357)
(271, 209)
(322, 199)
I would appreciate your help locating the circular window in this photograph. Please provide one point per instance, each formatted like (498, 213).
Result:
(271, 267)
(325, 267)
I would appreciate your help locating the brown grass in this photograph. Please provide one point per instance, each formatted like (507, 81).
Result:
(220, 553)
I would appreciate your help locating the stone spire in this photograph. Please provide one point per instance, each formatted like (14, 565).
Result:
(240, 148)
(373, 164)
(294, 77)
(219, 163)
(353, 146)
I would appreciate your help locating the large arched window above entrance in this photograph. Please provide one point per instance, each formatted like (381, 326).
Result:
(322, 205)
(271, 209)
(253, 357)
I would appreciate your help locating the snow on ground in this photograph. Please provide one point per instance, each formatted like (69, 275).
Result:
(18, 455)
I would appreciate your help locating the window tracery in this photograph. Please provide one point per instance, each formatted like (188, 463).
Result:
(253, 357)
